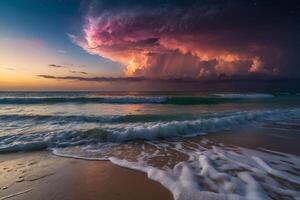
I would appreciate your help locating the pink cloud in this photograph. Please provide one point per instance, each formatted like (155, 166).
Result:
(173, 42)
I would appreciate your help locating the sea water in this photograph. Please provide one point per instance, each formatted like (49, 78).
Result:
(163, 135)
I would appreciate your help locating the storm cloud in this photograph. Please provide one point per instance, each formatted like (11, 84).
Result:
(195, 39)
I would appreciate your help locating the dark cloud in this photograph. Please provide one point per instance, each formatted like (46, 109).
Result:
(56, 66)
(221, 77)
(10, 68)
(197, 38)
(71, 71)
(94, 79)
(78, 72)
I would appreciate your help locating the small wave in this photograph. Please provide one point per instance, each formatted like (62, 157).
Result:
(73, 134)
(94, 119)
(54, 100)
(244, 96)
(176, 100)
(188, 128)
(60, 118)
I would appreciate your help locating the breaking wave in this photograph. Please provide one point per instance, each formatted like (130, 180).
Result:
(58, 134)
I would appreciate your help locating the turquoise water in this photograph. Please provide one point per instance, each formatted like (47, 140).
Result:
(163, 135)
(36, 120)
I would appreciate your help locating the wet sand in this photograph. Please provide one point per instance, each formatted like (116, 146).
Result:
(41, 175)
(285, 141)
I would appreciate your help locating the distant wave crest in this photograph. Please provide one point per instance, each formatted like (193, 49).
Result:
(244, 96)
(184, 100)
(53, 100)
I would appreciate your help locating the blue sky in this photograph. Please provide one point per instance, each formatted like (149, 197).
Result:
(50, 22)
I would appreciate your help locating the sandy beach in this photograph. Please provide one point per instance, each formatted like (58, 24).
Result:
(41, 175)
(285, 141)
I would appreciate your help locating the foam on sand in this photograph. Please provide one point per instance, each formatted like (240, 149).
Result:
(206, 170)
(217, 173)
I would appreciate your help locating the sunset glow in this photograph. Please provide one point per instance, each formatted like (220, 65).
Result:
(149, 99)
(167, 40)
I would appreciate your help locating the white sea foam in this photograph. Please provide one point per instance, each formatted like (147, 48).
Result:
(150, 131)
(244, 96)
(134, 99)
(72, 134)
(211, 170)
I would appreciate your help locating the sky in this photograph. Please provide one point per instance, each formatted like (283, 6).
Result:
(132, 45)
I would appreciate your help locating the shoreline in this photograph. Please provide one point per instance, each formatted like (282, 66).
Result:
(42, 175)
(284, 141)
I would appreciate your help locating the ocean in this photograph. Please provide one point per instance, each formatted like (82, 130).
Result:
(168, 135)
